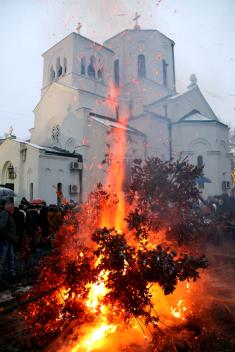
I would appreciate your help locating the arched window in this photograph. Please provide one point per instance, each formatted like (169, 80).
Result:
(58, 68)
(141, 66)
(164, 72)
(91, 67)
(100, 74)
(83, 66)
(200, 161)
(31, 191)
(65, 65)
(116, 72)
(52, 74)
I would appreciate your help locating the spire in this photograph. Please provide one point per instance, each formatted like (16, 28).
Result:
(137, 16)
(79, 26)
(10, 131)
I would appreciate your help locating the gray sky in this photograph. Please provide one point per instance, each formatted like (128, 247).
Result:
(203, 30)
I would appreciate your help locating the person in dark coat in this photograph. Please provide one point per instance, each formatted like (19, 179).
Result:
(24, 202)
(19, 218)
(32, 226)
(44, 220)
(7, 238)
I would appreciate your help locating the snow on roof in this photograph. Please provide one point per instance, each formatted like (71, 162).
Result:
(196, 116)
(78, 36)
(114, 124)
(178, 95)
(29, 144)
(53, 150)
(139, 31)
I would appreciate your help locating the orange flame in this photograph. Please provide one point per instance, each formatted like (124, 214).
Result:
(95, 339)
(180, 310)
(116, 170)
(97, 292)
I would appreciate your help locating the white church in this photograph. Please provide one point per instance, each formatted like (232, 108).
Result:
(87, 88)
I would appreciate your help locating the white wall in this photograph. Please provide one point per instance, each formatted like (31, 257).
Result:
(101, 141)
(157, 132)
(155, 47)
(185, 103)
(63, 49)
(209, 140)
(75, 47)
(26, 171)
(55, 169)
(128, 44)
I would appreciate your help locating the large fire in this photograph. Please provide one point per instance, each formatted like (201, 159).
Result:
(111, 217)
(109, 259)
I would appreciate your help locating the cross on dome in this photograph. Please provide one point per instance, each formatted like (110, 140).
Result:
(79, 26)
(137, 16)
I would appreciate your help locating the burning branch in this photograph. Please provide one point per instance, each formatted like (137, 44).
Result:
(106, 274)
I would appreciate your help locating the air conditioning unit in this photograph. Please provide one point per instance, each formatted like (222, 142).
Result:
(74, 189)
(225, 185)
(76, 165)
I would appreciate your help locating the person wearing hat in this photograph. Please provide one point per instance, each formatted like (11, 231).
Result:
(7, 237)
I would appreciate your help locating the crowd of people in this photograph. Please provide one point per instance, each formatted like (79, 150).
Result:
(220, 208)
(31, 227)
(24, 230)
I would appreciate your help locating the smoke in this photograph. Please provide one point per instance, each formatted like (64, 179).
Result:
(102, 19)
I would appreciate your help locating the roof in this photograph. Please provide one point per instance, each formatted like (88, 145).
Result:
(48, 150)
(92, 41)
(109, 122)
(81, 36)
(172, 97)
(178, 95)
(160, 100)
(63, 84)
(195, 115)
(189, 93)
(138, 30)
(153, 114)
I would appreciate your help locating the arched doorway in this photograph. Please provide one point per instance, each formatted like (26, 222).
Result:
(59, 193)
(8, 175)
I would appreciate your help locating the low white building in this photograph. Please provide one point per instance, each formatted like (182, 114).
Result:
(87, 89)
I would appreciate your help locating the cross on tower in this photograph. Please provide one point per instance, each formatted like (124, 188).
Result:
(137, 16)
(79, 27)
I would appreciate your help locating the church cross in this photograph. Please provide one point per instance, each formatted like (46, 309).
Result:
(79, 27)
(137, 16)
